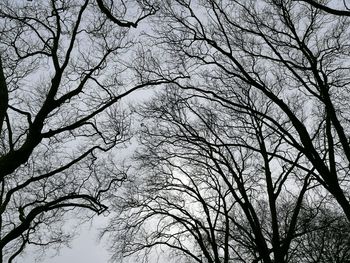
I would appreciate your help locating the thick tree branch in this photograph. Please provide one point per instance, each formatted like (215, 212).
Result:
(122, 23)
(3, 96)
(326, 8)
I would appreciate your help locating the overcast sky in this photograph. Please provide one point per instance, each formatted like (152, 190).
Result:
(85, 248)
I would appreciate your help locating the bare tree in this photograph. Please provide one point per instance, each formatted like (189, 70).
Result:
(295, 56)
(212, 185)
(270, 125)
(64, 66)
(326, 238)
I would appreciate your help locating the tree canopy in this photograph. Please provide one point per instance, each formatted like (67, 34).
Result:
(242, 153)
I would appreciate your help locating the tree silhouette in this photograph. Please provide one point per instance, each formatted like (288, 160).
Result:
(211, 185)
(64, 68)
(295, 56)
(260, 127)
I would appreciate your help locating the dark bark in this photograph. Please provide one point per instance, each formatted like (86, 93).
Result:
(3, 96)
(326, 8)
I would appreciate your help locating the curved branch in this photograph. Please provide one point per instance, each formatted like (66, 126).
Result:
(123, 23)
(326, 8)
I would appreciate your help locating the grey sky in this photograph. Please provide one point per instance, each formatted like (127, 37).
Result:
(85, 248)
